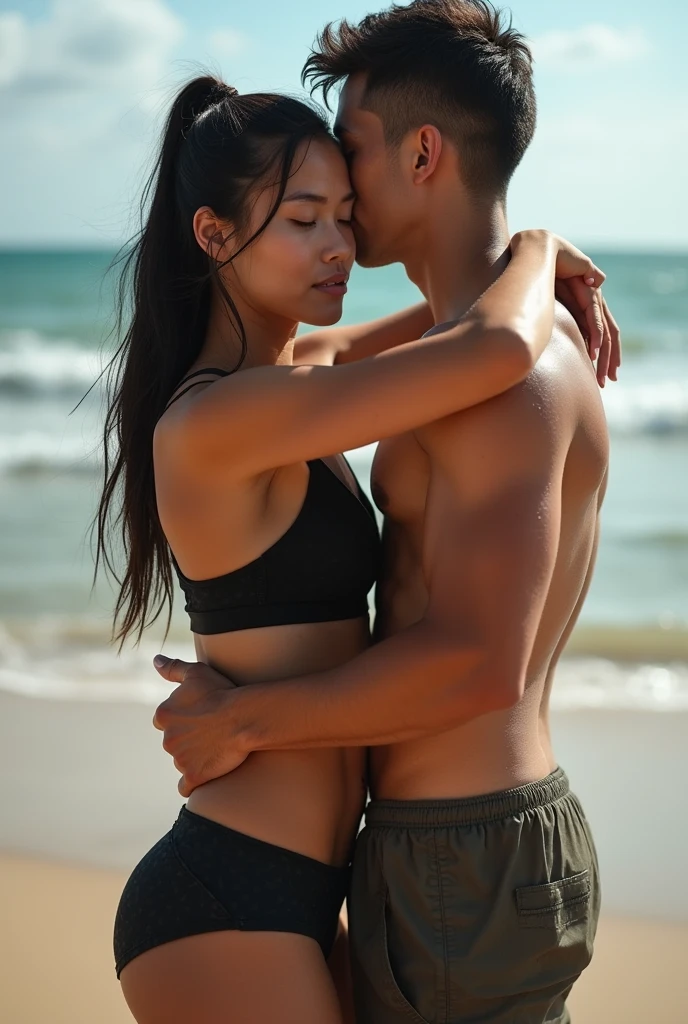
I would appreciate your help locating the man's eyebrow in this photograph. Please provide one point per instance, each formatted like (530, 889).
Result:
(311, 197)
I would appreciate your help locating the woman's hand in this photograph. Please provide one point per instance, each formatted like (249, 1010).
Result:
(581, 300)
(577, 287)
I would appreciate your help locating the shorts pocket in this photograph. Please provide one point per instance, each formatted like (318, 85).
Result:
(554, 905)
(392, 987)
(379, 996)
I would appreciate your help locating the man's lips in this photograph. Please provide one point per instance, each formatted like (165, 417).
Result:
(335, 285)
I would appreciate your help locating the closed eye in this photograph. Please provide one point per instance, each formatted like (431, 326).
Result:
(304, 223)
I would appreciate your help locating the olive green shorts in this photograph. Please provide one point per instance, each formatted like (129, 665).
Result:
(482, 909)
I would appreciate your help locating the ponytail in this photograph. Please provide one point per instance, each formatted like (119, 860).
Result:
(215, 147)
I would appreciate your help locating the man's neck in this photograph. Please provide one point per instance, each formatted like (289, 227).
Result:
(457, 256)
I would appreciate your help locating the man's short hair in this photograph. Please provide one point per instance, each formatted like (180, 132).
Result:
(456, 64)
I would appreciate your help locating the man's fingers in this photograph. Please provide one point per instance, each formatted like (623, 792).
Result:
(161, 716)
(190, 781)
(192, 674)
(172, 669)
(184, 787)
(179, 702)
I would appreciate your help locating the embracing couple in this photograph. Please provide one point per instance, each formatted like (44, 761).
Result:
(473, 891)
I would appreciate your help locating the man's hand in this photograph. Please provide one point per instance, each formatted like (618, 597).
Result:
(199, 722)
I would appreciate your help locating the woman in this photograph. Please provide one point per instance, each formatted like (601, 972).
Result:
(225, 455)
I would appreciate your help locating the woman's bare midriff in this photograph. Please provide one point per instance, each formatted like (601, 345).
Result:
(309, 801)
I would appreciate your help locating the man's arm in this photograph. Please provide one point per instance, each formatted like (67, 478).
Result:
(492, 533)
(334, 345)
(491, 540)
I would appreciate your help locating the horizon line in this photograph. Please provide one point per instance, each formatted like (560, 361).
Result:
(656, 248)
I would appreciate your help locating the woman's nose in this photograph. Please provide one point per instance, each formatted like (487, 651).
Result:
(341, 245)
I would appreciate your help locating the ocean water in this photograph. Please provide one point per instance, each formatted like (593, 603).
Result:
(631, 647)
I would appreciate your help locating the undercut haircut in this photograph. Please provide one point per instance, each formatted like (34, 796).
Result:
(456, 64)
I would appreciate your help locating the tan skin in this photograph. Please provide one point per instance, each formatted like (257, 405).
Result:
(230, 478)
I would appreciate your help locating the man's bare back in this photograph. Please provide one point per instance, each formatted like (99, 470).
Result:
(425, 509)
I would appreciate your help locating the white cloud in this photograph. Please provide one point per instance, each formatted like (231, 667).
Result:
(81, 92)
(227, 42)
(81, 46)
(607, 176)
(590, 46)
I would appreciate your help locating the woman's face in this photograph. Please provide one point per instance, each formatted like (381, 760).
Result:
(298, 267)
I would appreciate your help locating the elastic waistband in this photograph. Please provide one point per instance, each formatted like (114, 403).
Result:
(470, 810)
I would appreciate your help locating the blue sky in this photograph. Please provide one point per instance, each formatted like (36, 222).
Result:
(83, 84)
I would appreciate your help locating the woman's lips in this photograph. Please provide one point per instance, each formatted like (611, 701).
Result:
(332, 288)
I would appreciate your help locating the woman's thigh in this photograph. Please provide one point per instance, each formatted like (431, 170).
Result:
(232, 977)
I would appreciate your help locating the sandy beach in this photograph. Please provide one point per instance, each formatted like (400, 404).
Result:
(91, 790)
(56, 964)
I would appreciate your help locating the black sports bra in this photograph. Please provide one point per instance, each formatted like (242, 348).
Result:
(320, 570)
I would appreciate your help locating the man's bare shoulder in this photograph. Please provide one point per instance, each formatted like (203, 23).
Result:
(543, 411)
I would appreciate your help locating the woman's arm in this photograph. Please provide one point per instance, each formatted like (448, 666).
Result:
(336, 345)
(274, 416)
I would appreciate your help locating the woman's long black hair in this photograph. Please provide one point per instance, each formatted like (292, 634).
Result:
(217, 148)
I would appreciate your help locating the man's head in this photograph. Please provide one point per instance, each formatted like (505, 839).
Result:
(434, 85)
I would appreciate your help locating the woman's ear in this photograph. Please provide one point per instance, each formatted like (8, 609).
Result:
(211, 233)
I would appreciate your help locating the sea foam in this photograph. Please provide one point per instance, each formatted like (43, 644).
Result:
(56, 658)
(53, 375)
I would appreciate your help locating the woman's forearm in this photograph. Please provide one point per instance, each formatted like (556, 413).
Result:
(521, 301)
(369, 339)
(338, 345)
(293, 414)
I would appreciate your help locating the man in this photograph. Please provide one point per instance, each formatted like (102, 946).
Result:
(475, 893)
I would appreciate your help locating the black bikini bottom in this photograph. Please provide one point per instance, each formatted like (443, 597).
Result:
(204, 877)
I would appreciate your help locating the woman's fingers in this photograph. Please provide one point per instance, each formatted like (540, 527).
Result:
(615, 342)
(596, 326)
(578, 286)
(571, 262)
(595, 277)
(590, 302)
(605, 352)
(598, 329)
(563, 292)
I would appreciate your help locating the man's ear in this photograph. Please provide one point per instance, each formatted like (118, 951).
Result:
(426, 153)
(211, 233)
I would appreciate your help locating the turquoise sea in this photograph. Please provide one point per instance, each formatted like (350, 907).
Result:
(54, 317)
